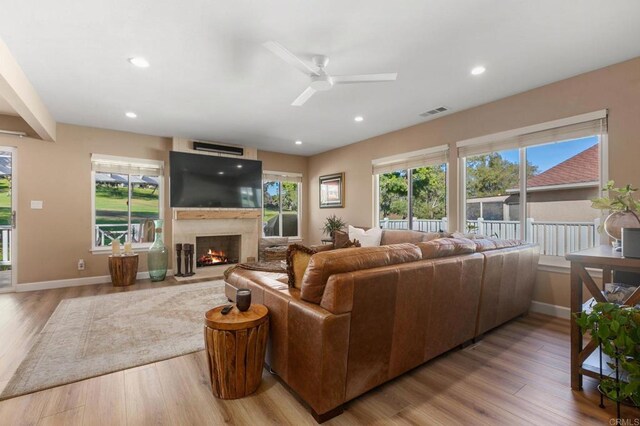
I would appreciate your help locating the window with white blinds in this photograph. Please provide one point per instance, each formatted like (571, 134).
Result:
(126, 165)
(580, 126)
(281, 204)
(536, 183)
(127, 195)
(434, 156)
(411, 190)
(278, 176)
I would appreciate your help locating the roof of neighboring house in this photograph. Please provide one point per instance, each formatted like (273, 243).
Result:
(581, 168)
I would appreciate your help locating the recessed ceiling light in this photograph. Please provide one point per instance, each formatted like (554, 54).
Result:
(139, 62)
(220, 173)
(359, 118)
(239, 166)
(131, 114)
(478, 70)
(298, 142)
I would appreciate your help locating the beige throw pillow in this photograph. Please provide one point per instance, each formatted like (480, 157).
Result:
(298, 257)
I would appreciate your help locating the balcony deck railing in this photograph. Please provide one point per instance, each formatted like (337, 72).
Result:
(107, 233)
(5, 241)
(554, 238)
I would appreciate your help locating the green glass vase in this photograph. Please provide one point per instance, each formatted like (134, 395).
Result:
(158, 256)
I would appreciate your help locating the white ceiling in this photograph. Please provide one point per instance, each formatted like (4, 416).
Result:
(210, 78)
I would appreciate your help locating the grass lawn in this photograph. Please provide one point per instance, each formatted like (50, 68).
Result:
(5, 201)
(111, 204)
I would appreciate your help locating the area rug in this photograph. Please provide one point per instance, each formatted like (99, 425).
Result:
(90, 336)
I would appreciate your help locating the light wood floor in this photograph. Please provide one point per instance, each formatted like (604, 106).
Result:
(518, 374)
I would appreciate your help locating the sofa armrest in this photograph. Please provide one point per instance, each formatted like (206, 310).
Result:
(308, 345)
(318, 347)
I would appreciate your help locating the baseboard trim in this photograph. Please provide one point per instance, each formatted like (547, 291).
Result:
(75, 282)
(549, 309)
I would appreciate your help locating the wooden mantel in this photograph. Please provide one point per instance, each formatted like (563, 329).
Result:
(204, 214)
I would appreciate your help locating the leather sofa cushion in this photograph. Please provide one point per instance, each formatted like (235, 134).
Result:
(444, 247)
(486, 244)
(398, 236)
(323, 265)
(391, 236)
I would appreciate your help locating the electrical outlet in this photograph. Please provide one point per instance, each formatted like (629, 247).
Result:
(81, 265)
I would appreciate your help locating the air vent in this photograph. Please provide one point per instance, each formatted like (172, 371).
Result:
(434, 111)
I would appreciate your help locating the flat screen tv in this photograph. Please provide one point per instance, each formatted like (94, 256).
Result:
(207, 181)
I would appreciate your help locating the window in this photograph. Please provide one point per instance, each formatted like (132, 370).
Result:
(281, 208)
(126, 194)
(537, 185)
(412, 190)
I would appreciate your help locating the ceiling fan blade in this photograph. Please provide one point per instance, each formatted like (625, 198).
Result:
(286, 55)
(304, 97)
(364, 78)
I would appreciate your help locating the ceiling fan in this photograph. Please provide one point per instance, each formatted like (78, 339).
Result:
(320, 80)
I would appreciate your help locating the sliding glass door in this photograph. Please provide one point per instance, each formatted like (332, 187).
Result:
(8, 193)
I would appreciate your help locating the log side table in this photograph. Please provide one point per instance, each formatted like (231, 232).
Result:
(235, 344)
(123, 269)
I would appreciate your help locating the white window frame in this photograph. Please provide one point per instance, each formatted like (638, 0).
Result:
(124, 161)
(293, 177)
(547, 263)
(411, 157)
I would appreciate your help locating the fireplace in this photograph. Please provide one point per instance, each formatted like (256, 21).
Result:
(217, 250)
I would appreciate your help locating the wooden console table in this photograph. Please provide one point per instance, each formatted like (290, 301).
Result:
(584, 359)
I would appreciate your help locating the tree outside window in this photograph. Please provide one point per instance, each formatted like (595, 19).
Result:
(281, 208)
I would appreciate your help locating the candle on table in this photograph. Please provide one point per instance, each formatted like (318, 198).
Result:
(115, 247)
(127, 248)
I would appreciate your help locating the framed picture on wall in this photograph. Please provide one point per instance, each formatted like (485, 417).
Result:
(332, 191)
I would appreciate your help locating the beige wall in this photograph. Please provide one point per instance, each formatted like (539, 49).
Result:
(50, 241)
(276, 162)
(616, 87)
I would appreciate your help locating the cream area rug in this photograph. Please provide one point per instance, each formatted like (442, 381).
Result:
(90, 336)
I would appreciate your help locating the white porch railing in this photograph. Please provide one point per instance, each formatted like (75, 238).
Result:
(5, 240)
(554, 238)
(425, 225)
(106, 233)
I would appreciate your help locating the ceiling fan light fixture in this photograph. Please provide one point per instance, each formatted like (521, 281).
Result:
(478, 70)
(139, 62)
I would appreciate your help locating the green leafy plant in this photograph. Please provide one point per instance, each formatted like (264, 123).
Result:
(617, 329)
(333, 223)
(617, 199)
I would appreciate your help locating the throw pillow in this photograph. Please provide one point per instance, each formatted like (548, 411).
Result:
(370, 238)
(298, 257)
(354, 243)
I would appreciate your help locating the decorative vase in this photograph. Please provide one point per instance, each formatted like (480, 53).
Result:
(614, 223)
(158, 256)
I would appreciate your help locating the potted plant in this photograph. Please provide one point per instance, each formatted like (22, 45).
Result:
(616, 328)
(622, 209)
(333, 223)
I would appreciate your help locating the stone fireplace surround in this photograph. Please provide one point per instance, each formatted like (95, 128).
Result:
(191, 223)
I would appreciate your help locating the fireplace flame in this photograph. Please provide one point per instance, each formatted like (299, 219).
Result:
(213, 257)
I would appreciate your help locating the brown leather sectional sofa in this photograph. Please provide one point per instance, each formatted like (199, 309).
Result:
(364, 316)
